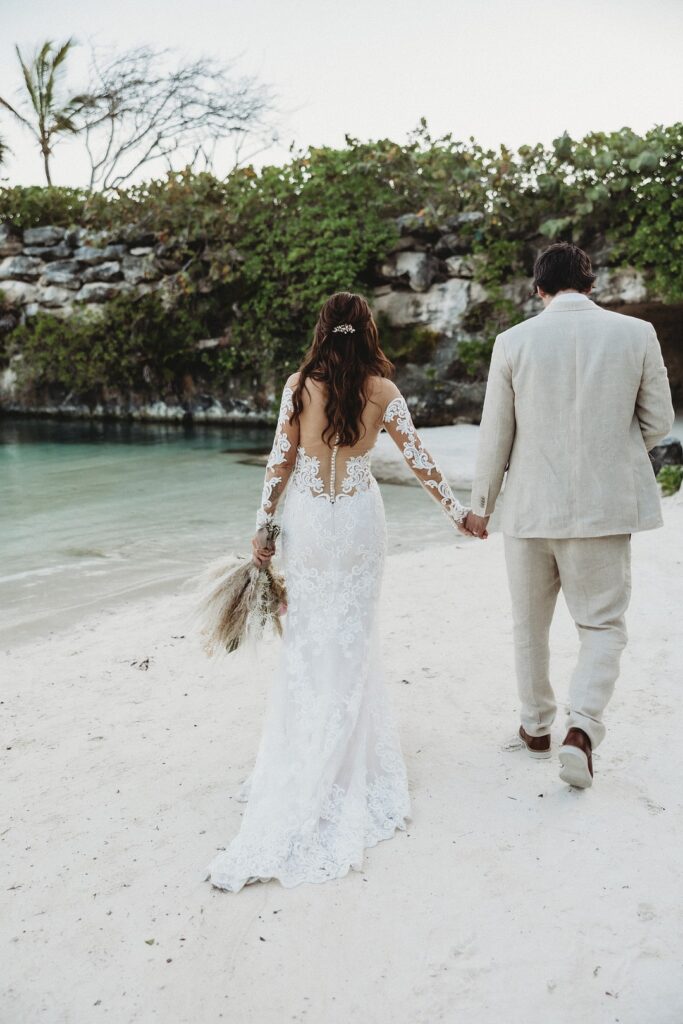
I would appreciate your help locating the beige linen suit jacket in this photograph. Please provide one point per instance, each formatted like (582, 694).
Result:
(576, 397)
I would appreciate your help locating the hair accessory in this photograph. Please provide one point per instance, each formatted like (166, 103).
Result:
(344, 329)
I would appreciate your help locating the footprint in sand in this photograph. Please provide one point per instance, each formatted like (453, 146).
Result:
(646, 912)
(448, 979)
(513, 744)
(652, 807)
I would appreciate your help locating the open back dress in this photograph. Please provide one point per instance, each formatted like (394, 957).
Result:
(329, 778)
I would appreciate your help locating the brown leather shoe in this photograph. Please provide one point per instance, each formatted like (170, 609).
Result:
(576, 759)
(536, 746)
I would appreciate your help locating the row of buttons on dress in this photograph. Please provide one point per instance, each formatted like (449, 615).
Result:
(333, 468)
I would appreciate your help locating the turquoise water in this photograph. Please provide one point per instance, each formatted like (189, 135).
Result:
(94, 513)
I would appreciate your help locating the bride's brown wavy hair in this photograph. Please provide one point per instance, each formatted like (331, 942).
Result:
(344, 363)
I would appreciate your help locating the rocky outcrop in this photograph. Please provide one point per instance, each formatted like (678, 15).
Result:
(668, 453)
(440, 308)
(429, 286)
(429, 283)
(242, 402)
(50, 269)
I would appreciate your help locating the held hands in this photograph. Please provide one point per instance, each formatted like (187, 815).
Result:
(263, 549)
(475, 526)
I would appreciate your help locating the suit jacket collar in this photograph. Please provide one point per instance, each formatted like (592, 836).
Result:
(569, 303)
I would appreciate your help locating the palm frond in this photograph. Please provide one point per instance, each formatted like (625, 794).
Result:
(54, 115)
(12, 110)
(60, 56)
(63, 122)
(28, 81)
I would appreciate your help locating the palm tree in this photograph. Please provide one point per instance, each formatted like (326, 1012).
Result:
(50, 117)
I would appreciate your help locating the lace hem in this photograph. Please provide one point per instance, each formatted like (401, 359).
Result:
(302, 862)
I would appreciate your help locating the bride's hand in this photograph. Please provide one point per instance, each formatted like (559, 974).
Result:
(261, 555)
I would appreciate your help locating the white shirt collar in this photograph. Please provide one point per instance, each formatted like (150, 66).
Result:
(570, 295)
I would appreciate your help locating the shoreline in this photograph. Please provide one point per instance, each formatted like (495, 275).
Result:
(143, 516)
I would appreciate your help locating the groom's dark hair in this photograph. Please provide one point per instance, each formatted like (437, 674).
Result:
(561, 266)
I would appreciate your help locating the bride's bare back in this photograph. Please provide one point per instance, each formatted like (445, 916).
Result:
(333, 471)
(334, 460)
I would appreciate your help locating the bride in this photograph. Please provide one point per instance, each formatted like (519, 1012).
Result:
(329, 779)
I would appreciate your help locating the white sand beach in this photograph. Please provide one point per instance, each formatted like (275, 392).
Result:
(510, 898)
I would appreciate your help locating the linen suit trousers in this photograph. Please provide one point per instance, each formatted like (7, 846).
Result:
(594, 574)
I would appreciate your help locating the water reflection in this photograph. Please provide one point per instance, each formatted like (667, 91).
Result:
(38, 430)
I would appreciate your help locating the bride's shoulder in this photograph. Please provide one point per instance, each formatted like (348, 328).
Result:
(382, 386)
(381, 394)
(293, 380)
(383, 391)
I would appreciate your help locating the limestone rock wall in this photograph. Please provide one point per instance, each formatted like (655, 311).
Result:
(54, 269)
(429, 283)
(57, 270)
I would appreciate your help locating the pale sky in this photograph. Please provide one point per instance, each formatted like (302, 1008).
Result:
(510, 71)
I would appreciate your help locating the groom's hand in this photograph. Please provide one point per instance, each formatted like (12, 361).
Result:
(476, 525)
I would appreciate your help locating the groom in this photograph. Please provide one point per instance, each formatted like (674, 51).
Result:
(575, 400)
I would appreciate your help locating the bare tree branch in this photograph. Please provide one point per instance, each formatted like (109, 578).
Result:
(142, 108)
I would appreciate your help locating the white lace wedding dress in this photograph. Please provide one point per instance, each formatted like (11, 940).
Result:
(329, 778)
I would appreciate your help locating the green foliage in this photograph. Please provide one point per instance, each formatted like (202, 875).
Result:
(671, 478)
(261, 250)
(406, 344)
(131, 344)
(626, 187)
(31, 206)
(304, 231)
(475, 356)
(500, 259)
(620, 184)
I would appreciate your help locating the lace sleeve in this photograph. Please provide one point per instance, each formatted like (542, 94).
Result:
(399, 425)
(280, 461)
